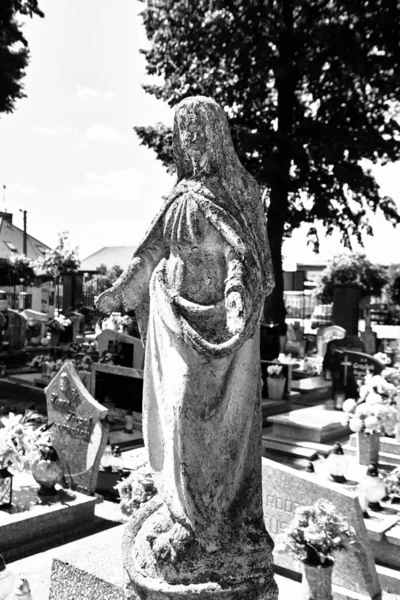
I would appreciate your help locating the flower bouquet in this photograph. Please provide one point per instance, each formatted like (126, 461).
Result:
(392, 483)
(135, 490)
(276, 382)
(58, 324)
(313, 536)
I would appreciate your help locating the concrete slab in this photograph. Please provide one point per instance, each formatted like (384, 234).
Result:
(314, 424)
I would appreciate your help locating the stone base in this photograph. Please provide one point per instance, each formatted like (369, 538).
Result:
(143, 582)
(389, 450)
(314, 424)
(26, 531)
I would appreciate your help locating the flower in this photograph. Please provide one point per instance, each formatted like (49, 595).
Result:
(315, 533)
(275, 371)
(356, 424)
(349, 405)
(137, 489)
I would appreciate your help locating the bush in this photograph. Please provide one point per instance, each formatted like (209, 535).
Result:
(352, 268)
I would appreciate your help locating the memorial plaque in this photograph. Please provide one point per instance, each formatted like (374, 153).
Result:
(285, 489)
(108, 338)
(78, 434)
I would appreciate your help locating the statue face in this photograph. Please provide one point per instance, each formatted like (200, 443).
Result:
(193, 136)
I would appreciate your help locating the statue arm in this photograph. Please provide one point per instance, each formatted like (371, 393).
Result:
(131, 289)
(235, 294)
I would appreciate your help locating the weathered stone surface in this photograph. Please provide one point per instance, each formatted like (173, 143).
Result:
(285, 489)
(78, 433)
(197, 284)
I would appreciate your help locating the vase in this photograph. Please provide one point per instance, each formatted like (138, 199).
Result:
(47, 473)
(367, 448)
(5, 487)
(276, 387)
(317, 581)
(54, 338)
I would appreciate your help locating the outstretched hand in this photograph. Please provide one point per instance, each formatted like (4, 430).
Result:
(108, 302)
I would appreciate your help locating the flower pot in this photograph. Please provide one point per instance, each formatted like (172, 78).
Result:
(47, 473)
(367, 448)
(54, 338)
(317, 581)
(276, 387)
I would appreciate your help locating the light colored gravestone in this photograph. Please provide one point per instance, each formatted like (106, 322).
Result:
(285, 489)
(326, 335)
(109, 336)
(205, 265)
(78, 434)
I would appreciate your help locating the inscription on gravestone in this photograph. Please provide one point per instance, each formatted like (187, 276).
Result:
(78, 434)
(285, 489)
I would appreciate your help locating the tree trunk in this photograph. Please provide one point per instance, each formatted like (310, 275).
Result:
(275, 311)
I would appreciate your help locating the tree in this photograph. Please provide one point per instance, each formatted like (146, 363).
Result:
(16, 270)
(352, 268)
(14, 51)
(311, 91)
(104, 278)
(60, 261)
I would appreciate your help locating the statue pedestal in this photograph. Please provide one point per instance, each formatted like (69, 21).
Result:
(204, 578)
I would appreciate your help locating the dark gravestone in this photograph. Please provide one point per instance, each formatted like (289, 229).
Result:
(349, 369)
(15, 333)
(78, 434)
(285, 489)
(286, 371)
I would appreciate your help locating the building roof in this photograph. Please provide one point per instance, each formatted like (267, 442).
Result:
(109, 256)
(12, 240)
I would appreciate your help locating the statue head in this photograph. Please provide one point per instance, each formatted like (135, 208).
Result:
(201, 139)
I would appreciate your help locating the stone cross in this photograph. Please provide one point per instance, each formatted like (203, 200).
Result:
(197, 284)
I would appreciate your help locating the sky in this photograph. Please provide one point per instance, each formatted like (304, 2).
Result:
(69, 154)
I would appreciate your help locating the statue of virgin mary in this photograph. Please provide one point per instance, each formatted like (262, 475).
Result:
(197, 283)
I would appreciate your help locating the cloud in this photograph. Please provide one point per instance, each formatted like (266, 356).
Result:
(85, 93)
(69, 130)
(106, 133)
(126, 184)
(38, 130)
(23, 188)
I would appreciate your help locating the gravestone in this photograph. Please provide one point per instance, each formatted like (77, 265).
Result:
(78, 434)
(15, 333)
(136, 354)
(326, 335)
(349, 367)
(285, 489)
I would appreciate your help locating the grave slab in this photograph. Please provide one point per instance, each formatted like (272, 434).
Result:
(284, 489)
(32, 519)
(79, 433)
(389, 450)
(315, 424)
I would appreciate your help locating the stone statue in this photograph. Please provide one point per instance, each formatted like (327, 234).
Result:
(197, 283)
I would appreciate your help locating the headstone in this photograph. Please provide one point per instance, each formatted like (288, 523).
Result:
(78, 434)
(326, 335)
(131, 347)
(285, 489)
(16, 331)
(348, 368)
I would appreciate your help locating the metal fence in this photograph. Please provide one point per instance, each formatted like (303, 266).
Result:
(300, 305)
(13, 296)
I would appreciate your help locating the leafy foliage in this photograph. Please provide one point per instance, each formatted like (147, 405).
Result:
(311, 90)
(104, 278)
(315, 533)
(14, 52)
(352, 268)
(60, 261)
(17, 269)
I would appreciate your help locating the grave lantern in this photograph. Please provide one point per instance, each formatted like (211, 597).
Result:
(117, 462)
(336, 463)
(5, 487)
(374, 488)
